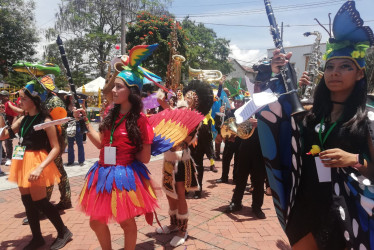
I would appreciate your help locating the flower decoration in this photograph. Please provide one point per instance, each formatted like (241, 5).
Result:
(315, 150)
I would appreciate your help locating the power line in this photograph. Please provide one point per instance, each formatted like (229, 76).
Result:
(266, 26)
(215, 4)
(284, 8)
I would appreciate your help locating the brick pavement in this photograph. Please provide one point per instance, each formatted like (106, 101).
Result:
(209, 227)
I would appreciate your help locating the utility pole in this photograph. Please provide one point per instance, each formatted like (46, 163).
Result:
(123, 27)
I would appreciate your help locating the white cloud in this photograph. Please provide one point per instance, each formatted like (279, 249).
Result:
(246, 57)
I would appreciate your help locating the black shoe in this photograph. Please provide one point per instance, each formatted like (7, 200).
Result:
(34, 244)
(213, 169)
(2, 173)
(233, 207)
(69, 164)
(61, 242)
(222, 180)
(258, 213)
(197, 194)
(81, 163)
(63, 206)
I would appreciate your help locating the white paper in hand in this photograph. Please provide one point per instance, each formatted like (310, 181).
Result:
(264, 98)
(246, 111)
(250, 85)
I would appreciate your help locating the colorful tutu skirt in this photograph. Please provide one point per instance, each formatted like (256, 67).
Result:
(20, 170)
(118, 193)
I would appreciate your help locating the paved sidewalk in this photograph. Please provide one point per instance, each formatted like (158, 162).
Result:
(209, 227)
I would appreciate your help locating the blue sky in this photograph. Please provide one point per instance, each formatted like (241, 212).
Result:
(230, 18)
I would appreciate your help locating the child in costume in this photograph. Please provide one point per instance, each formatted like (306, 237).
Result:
(33, 168)
(118, 187)
(179, 172)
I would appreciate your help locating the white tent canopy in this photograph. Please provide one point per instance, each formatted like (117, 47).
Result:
(93, 86)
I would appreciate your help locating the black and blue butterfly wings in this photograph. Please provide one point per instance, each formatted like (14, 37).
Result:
(348, 25)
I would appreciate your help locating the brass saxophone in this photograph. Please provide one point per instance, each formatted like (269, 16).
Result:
(312, 69)
(173, 74)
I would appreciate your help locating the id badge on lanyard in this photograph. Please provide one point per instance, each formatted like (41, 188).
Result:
(110, 155)
(18, 152)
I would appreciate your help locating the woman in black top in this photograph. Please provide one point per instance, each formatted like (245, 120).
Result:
(33, 167)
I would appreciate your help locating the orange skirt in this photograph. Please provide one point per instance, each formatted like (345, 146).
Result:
(20, 170)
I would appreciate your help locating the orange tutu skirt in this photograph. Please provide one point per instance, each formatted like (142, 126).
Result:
(20, 170)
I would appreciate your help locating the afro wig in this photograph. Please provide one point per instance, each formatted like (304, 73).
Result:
(205, 94)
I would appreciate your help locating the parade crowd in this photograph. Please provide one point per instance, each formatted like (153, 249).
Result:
(279, 152)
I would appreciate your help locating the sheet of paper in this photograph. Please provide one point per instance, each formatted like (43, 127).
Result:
(324, 173)
(264, 98)
(246, 111)
(250, 85)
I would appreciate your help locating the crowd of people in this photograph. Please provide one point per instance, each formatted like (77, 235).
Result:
(283, 154)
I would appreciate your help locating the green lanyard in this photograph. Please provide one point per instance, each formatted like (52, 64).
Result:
(114, 128)
(327, 133)
(27, 128)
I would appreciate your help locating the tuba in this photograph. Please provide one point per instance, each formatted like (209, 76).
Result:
(230, 128)
(205, 75)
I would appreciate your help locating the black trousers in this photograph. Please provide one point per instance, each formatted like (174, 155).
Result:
(231, 149)
(204, 146)
(250, 161)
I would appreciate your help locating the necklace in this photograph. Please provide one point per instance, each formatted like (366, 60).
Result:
(335, 102)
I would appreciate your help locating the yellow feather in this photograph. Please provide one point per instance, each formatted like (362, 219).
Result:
(133, 198)
(83, 192)
(114, 203)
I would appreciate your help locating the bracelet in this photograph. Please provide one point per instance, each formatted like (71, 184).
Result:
(357, 164)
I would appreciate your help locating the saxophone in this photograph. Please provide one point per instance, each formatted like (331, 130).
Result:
(173, 74)
(312, 69)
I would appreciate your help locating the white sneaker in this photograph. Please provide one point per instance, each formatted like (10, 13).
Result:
(8, 162)
(177, 240)
(165, 230)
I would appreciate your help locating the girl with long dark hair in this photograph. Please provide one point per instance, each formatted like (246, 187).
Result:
(323, 171)
(33, 167)
(118, 187)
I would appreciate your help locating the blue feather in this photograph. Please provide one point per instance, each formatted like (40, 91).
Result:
(110, 179)
(130, 177)
(103, 173)
(160, 145)
(125, 180)
(95, 165)
(93, 171)
(120, 175)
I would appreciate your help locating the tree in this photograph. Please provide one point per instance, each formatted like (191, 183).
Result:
(96, 26)
(200, 45)
(205, 50)
(18, 35)
(151, 29)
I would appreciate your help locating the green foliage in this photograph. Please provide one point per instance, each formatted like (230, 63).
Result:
(198, 44)
(205, 50)
(18, 35)
(95, 28)
(151, 29)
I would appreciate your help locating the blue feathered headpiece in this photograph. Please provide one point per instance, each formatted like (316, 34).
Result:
(351, 39)
(132, 73)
